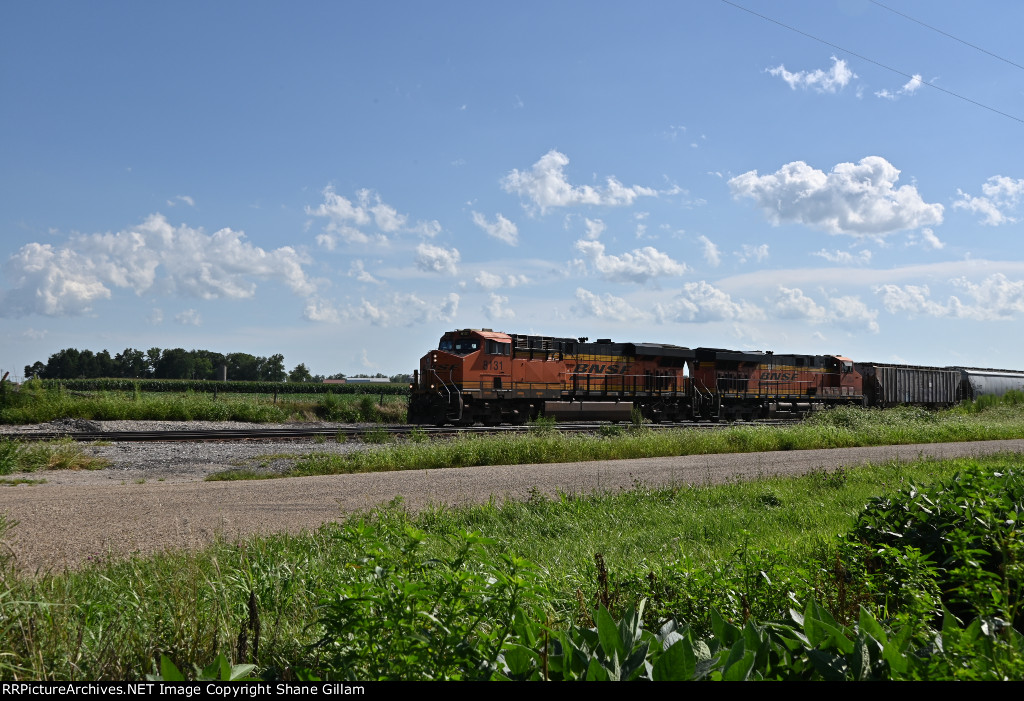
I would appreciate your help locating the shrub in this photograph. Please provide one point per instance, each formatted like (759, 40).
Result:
(968, 527)
(403, 616)
(10, 452)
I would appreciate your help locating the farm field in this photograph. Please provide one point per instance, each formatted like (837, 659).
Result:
(180, 400)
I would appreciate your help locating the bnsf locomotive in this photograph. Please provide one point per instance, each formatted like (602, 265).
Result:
(479, 375)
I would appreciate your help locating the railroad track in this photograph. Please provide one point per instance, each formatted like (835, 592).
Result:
(345, 431)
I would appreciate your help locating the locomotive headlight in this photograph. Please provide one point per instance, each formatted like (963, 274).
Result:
(433, 358)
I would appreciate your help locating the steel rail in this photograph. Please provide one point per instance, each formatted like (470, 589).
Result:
(174, 435)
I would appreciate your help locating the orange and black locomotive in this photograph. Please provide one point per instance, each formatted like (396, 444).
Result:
(479, 375)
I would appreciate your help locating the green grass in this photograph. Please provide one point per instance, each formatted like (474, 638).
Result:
(37, 405)
(838, 428)
(61, 454)
(111, 619)
(644, 526)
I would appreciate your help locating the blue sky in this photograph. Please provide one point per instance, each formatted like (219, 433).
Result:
(343, 182)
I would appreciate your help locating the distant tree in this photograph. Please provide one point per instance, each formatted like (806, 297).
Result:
(88, 366)
(152, 358)
(272, 369)
(207, 364)
(336, 376)
(202, 367)
(401, 377)
(104, 365)
(300, 374)
(174, 364)
(36, 369)
(131, 363)
(63, 364)
(242, 366)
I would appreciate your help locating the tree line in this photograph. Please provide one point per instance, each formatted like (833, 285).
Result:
(175, 364)
(166, 363)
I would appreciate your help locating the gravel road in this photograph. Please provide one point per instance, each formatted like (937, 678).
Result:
(152, 496)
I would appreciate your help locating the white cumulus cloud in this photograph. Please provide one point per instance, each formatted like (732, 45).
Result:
(348, 221)
(794, 304)
(640, 266)
(711, 252)
(502, 229)
(358, 271)
(908, 88)
(861, 257)
(50, 281)
(912, 300)
(748, 252)
(495, 308)
(595, 227)
(995, 297)
(605, 306)
(926, 239)
(396, 309)
(849, 311)
(1000, 196)
(859, 199)
(491, 281)
(189, 317)
(321, 310)
(436, 259)
(702, 301)
(545, 186)
(153, 257)
(830, 81)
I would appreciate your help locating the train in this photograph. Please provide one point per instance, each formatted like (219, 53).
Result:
(491, 377)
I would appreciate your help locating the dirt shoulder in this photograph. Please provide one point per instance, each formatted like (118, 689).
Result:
(68, 524)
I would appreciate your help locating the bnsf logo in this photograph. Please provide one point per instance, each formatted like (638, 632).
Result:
(594, 369)
(783, 376)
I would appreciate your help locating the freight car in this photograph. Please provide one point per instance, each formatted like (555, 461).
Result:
(888, 385)
(479, 375)
(979, 382)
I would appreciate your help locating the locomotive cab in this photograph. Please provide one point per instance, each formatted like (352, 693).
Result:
(468, 364)
(843, 379)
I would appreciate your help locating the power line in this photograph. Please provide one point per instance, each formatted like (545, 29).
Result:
(870, 60)
(947, 34)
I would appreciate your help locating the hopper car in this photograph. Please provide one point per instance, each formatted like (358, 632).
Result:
(979, 382)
